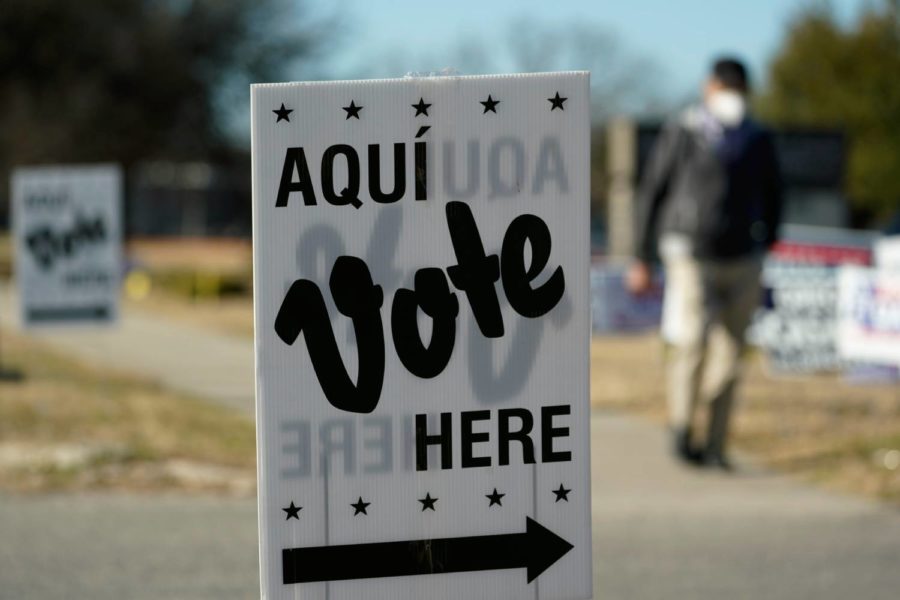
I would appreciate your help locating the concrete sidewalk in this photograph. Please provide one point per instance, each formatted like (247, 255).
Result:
(666, 531)
(660, 531)
(184, 358)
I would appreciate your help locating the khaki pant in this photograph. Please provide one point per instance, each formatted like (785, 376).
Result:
(710, 304)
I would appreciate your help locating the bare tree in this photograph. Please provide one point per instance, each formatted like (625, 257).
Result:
(621, 82)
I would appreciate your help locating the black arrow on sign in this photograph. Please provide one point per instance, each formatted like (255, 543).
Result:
(535, 550)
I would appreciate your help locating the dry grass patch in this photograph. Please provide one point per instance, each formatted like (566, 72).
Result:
(230, 315)
(201, 281)
(67, 426)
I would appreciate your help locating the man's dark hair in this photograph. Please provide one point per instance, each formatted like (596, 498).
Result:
(731, 73)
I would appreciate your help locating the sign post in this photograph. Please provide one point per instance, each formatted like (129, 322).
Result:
(67, 228)
(421, 257)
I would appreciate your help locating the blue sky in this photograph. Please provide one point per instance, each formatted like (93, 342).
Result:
(678, 36)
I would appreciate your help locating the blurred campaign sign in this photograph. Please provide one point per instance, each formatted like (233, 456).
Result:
(869, 315)
(887, 253)
(68, 241)
(798, 325)
(616, 310)
(422, 325)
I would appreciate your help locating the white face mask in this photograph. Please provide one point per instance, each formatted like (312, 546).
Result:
(727, 107)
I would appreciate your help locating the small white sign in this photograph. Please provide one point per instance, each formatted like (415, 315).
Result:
(887, 253)
(421, 258)
(869, 315)
(68, 243)
(615, 310)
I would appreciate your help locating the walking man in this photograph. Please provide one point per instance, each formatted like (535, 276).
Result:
(709, 203)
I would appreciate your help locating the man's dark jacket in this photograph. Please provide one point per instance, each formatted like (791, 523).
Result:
(720, 188)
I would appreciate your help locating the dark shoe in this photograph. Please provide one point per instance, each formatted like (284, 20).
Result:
(683, 449)
(717, 460)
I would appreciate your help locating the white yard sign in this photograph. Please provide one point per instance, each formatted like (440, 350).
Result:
(868, 327)
(422, 335)
(887, 253)
(68, 241)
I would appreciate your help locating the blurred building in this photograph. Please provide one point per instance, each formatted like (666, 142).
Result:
(181, 199)
(812, 164)
(195, 199)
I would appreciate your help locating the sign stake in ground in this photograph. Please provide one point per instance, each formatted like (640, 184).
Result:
(421, 256)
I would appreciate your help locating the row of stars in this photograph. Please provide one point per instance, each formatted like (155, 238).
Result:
(360, 506)
(490, 105)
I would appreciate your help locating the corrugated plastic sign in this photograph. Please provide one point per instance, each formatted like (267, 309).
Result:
(422, 335)
(67, 227)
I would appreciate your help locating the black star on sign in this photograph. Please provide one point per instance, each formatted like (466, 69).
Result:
(489, 105)
(494, 498)
(428, 501)
(283, 113)
(556, 102)
(421, 107)
(562, 493)
(360, 506)
(353, 110)
(293, 512)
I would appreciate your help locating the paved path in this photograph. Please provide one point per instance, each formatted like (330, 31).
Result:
(660, 531)
(664, 531)
(185, 358)
(110, 547)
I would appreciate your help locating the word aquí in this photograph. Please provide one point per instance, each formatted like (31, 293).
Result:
(507, 171)
(48, 246)
(356, 296)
